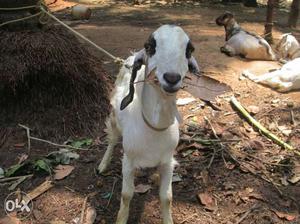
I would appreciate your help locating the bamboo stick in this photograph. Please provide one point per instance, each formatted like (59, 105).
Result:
(263, 130)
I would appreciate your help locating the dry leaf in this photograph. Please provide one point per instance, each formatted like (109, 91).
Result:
(10, 220)
(90, 216)
(19, 145)
(184, 101)
(61, 171)
(142, 188)
(155, 179)
(286, 216)
(204, 87)
(256, 144)
(208, 201)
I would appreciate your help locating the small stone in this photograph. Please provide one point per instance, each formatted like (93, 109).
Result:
(290, 104)
(253, 109)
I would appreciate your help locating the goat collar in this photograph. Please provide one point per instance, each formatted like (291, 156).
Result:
(152, 127)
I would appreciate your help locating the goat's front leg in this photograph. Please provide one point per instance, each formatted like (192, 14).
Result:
(127, 190)
(165, 191)
(228, 50)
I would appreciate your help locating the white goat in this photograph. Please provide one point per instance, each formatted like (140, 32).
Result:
(242, 43)
(145, 113)
(288, 47)
(285, 79)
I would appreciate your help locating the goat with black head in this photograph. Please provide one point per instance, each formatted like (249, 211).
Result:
(145, 113)
(242, 43)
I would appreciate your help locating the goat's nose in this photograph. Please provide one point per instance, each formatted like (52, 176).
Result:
(172, 78)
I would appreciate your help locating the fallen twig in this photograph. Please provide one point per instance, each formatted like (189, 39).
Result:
(7, 179)
(17, 182)
(187, 218)
(83, 210)
(48, 142)
(45, 186)
(246, 214)
(267, 133)
(209, 141)
(28, 137)
(112, 192)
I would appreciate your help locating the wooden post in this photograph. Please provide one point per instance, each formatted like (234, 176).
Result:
(294, 13)
(269, 21)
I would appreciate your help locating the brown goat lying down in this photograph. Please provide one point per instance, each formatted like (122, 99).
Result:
(242, 43)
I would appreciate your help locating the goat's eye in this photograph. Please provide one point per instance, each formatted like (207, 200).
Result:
(150, 46)
(189, 50)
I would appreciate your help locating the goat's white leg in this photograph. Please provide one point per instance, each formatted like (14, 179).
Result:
(127, 190)
(165, 191)
(285, 87)
(112, 136)
(228, 50)
(265, 78)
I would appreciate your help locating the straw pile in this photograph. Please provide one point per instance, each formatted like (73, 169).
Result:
(51, 83)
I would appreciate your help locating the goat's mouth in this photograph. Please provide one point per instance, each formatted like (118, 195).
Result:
(170, 89)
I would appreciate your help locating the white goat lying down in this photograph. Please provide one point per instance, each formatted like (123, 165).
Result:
(288, 47)
(242, 43)
(145, 113)
(285, 79)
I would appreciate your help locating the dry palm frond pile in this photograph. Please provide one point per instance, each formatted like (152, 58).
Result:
(51, 83)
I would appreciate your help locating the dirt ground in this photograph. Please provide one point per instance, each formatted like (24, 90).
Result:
(244, 179)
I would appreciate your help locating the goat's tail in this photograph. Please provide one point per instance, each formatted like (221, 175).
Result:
(113, 135)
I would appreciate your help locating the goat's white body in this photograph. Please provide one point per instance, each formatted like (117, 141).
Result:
(285, 79)
(288, 47)
(143, 146)
(249, 46)
(146, 116)
(139, 140)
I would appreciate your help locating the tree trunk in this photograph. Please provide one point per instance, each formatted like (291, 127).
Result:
(269, 21)
(294, 13)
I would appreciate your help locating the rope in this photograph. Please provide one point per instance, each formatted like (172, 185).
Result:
(19, 8)
(42, 20)
(21, 19)
(116, 59)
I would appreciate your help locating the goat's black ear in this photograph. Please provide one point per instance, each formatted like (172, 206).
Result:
(150, 46)
(193, 66)
(189, 50)
(138, 62)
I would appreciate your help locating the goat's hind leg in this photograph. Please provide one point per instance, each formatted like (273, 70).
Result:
(113, 135)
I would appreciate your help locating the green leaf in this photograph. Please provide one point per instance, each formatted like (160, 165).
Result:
(13, 169)
(106, 195)
(43, 164)
(81, 143)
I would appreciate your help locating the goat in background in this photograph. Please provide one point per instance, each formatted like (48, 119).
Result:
(288, 47)
(242, 43)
